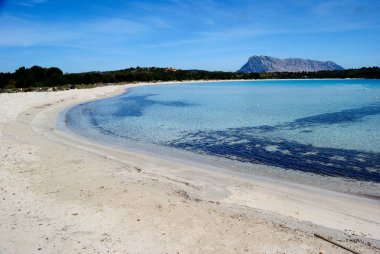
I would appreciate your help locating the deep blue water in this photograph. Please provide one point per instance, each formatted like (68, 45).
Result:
(327, 127)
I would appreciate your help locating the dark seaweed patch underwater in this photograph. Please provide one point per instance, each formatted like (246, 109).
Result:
(351, 164)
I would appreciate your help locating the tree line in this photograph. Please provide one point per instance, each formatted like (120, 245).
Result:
(39, 78)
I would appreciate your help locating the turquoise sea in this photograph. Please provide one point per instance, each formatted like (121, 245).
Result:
(325, 127)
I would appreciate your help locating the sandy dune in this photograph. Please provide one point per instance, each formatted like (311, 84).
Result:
(62, 194)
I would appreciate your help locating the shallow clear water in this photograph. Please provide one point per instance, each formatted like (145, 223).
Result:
(328, 127)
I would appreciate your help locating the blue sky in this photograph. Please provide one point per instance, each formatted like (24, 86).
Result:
(98, 35)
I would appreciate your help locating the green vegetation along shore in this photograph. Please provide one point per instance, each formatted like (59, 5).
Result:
(39, 78)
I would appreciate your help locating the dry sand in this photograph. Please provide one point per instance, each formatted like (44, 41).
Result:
(62, 194)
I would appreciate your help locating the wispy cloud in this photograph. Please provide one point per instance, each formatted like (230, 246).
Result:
(30, 3)
(335, 7)
(18, 31)
(349, 14)
(176, 43)
(223, 25)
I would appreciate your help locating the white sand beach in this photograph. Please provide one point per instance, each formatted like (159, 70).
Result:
(63, 194)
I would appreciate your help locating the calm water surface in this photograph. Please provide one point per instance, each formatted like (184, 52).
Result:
(327, 127)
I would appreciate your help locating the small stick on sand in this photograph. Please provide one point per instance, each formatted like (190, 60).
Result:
(336, 243)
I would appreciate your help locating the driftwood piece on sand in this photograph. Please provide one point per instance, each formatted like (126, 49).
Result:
(335, 243)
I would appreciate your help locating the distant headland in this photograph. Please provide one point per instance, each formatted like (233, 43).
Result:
(259, 64)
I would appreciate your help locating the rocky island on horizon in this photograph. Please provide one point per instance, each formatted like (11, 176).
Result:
(257, 64)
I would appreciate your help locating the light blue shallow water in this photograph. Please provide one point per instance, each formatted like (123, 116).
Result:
(328, 127)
